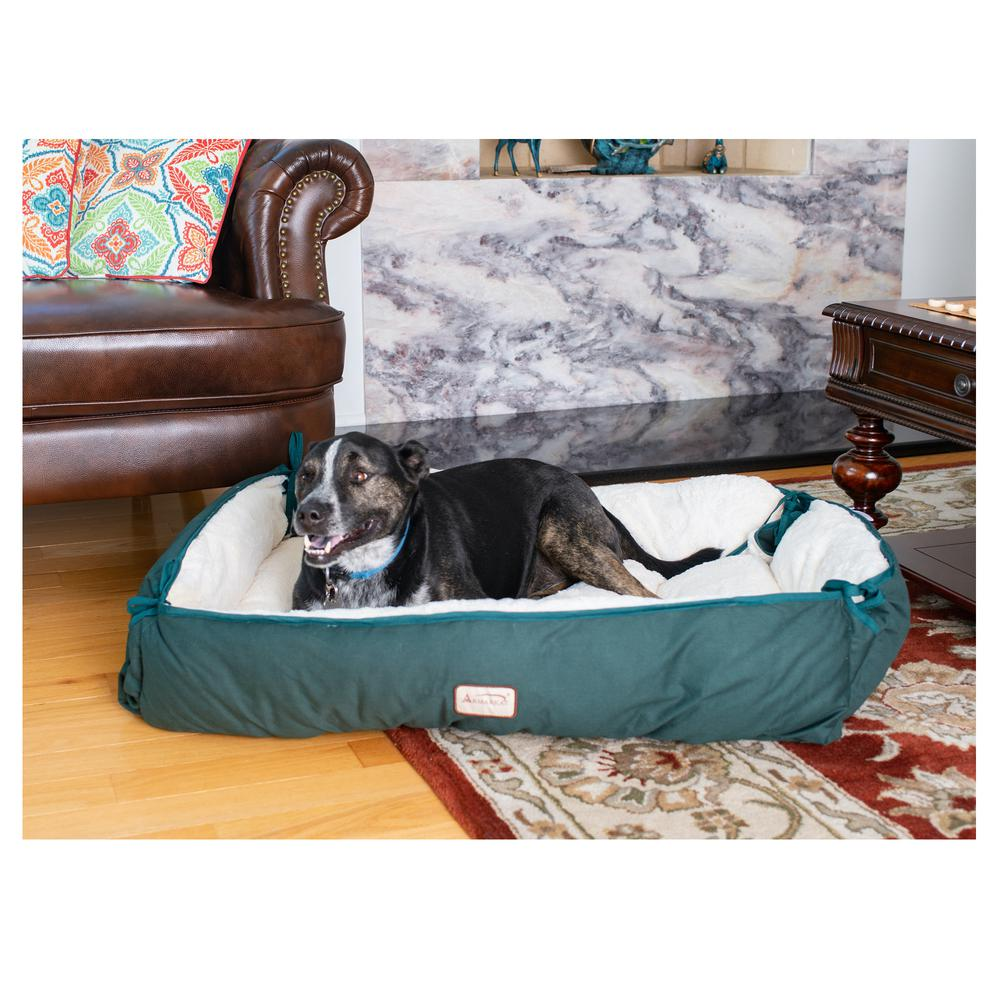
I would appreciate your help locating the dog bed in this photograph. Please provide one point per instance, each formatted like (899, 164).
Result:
(780, 639)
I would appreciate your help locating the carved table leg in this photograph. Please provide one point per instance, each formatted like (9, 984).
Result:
(868, 472)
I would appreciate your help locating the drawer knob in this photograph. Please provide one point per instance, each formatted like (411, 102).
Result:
(963, 385)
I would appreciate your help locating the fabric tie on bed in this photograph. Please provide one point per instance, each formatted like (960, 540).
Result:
(871, 597)
(294, 461)
(769, 536)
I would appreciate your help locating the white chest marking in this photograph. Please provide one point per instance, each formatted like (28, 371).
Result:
(372, 593)
(370, 556)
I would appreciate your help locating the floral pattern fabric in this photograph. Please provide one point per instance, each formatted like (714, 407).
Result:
(126, 208)
(152, 208)
(48, 175)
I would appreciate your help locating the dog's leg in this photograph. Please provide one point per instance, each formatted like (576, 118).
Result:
(581, 542)
(631, 549)
(546, 577)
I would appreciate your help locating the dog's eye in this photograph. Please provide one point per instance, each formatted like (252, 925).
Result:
(358, 476)
(307, 475)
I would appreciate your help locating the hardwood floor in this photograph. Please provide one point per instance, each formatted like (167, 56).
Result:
(92, 769)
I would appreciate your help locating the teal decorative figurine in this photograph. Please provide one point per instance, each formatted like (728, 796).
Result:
(534, 147)
(715, 161)
(624, 156)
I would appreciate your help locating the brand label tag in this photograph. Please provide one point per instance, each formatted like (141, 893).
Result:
(489, 702)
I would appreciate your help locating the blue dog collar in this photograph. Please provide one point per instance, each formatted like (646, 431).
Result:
(366, 574)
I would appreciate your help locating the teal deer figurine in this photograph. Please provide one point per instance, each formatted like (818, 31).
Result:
(534, 147)
(715, 161)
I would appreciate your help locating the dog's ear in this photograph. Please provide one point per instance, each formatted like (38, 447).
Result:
(413, 459)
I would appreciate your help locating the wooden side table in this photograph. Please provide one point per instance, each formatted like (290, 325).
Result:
(893, 361)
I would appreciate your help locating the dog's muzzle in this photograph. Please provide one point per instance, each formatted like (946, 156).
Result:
(320, 550)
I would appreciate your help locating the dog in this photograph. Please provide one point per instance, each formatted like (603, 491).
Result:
(380, 532)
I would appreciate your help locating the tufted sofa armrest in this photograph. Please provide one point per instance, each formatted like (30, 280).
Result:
(291, 196)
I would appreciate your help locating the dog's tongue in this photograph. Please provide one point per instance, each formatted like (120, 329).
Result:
(325, 543)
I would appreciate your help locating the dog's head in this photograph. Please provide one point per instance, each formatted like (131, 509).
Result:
(352, 490)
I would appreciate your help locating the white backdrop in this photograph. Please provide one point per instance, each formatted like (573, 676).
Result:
(939, 243)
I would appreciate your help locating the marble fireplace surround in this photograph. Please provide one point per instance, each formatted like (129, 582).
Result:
(493, 296)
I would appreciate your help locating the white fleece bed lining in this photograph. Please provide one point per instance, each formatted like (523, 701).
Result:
(242, 563)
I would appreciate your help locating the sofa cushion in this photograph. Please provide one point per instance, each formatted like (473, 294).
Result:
(107, 346)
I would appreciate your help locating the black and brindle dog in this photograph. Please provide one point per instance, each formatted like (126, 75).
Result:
(379, 531)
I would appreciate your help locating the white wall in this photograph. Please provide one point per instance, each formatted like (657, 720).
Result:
(939, 242)
(343, 271)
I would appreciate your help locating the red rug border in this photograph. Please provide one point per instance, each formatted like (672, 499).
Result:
(471, 810)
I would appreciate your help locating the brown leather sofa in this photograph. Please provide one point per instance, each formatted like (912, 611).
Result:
(140, 387)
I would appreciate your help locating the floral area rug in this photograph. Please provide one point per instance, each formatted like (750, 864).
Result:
(905, 767)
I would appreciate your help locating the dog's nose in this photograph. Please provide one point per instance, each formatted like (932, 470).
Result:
(309, 514)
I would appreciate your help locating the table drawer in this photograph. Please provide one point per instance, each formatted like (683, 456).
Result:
(932, 374)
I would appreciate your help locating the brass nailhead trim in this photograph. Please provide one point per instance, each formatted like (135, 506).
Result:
(324, 214)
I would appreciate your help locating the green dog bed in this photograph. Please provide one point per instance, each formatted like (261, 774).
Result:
(781, 639)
